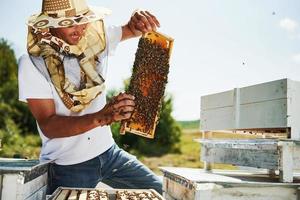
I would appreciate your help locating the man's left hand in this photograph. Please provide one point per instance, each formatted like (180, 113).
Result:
(139, 23)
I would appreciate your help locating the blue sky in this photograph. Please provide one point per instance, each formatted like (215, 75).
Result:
(219, 44)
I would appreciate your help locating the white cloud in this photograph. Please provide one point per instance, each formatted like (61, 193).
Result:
(288, 24)
(296, 58)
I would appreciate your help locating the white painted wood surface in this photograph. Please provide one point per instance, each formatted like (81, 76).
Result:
(282, 155)
(14, 188)
(286, 162)
(22, 179)
(293, 94)
(263, 106)
(196, 184)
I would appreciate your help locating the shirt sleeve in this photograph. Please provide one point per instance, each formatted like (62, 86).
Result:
(113, 35)
(32, 83)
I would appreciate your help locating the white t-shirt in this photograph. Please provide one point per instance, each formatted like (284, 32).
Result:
(35, 83)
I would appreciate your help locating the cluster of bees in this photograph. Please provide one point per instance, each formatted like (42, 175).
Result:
(82, 195)
(148, 81)
(136, 195)
(97, 195)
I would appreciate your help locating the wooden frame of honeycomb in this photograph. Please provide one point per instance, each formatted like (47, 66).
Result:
(65, 193)
(147, 84)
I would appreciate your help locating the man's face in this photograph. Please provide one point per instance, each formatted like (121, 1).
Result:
(71, 35)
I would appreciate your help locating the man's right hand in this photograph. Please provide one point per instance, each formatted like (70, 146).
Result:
(119, 108)
(53, 125)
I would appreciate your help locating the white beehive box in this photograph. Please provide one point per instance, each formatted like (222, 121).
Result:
(66, 193)
(271, 154)
(267, 106)
(22, 179)
(196, 184)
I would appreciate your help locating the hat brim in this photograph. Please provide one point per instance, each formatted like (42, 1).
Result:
(42, 21)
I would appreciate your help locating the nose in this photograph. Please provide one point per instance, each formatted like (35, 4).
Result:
(81, 29)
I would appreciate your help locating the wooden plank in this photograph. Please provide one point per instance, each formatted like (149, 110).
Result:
(167, 196)
(262, 106)
(177, 191)
(296, 156)
(187, 176)
(9, 186)
(83, 195)
(218, 119)
(39, 194)
(264, 92)
(288, 158)
(66, 192)
(267, 114)
(27, 189)
(254, 144)
(293, 116)
(266, 159)
(13, 187)
(253, 193)
(211, 187)
(286, 161)
(73, 195)
(29, 168)
(218, 100)
(250, 153)
(63, 194)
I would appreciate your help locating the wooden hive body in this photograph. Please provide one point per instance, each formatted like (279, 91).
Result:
(65, 193)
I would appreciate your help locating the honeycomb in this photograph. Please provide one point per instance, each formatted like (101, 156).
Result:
(147, 83)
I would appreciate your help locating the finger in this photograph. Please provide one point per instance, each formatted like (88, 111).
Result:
(153, 18)
(126, 109)
(119, 117)
(123, 103)
(141, 17)
(150, 20)
(123, 96)
(138, 25)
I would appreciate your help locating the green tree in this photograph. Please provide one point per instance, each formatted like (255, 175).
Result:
(10, 107)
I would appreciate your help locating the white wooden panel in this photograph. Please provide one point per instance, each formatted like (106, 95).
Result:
(254, 193)
(219, 100)
(294, 109)
(267, 114)
(267, 159)
(286, 160)
(32, 186)
(296, 156)
(14, 188)
(178, 191)
(209, 186)
(38, 195)
(168, 197)
(264, 92)
(9, 189)
(268, 105)
(251, 144)
(218, 119)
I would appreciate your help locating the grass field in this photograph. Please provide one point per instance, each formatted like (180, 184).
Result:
(194, 124)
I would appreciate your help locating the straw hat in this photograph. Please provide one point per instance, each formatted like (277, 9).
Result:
(65, 13)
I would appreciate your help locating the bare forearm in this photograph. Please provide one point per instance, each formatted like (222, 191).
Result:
(57, 126)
